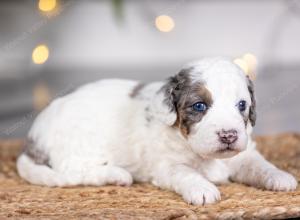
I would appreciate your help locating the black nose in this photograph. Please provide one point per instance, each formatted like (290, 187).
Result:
(227, 136)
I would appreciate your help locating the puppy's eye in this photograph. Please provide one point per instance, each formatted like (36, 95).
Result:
(200, 106)
(242, 105)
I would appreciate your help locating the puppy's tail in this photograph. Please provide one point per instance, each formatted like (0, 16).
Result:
(38, 174)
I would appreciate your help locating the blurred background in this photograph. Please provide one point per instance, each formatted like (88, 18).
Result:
(49, 47)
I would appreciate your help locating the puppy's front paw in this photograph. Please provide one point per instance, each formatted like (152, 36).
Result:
(201, 194)
(120, 177)
(279, 180)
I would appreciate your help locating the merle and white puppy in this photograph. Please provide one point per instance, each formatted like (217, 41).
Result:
(185, 134)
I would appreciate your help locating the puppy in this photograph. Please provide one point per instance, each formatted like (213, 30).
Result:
(184, 134)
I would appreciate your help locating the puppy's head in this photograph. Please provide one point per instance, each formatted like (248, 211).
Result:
(211, 103)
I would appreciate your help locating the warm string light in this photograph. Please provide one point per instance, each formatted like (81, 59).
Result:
(40, 54)
(248, 64)
(251, 61)
(164, 23)
(47, 5)
(41, 95)
(242, 64)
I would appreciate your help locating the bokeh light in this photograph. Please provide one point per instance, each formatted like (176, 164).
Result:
(251, 61)
(40, 54)
(41, 96)
(242, 64)
(47, 5)
(164, 23)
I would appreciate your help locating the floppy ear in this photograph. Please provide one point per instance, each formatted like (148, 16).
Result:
(252, 111)
(164, 104)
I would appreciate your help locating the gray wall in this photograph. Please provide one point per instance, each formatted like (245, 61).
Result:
(90, 40)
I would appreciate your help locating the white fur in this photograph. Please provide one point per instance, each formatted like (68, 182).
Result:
(99, 135)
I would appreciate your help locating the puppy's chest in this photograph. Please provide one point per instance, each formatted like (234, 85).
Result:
(215, 171)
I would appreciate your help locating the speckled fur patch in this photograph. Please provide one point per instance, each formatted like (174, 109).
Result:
(136, 90)
(36, 155)
(252, 111)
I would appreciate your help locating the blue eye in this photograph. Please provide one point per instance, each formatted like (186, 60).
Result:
(199, 106)
(242, 105)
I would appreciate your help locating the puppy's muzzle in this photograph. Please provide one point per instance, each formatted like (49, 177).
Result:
(227, 136)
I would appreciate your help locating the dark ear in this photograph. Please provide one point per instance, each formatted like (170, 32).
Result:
(252, 111)
(164, 104)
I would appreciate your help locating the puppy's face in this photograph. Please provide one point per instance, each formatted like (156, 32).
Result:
(214, 104)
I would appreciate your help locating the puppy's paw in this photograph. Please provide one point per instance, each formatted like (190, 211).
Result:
(201, 194)
(278, 180)
(119, 177)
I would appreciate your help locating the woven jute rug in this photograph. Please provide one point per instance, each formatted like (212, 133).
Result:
(19, 200)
